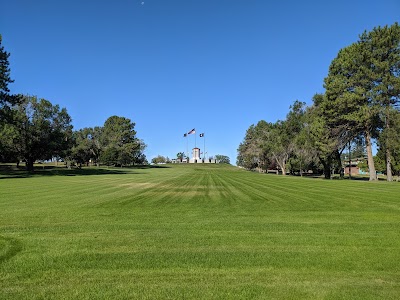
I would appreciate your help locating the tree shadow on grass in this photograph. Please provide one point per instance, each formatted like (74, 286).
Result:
(148, 167)
(9, 247)
(9, 172)
(357, 178)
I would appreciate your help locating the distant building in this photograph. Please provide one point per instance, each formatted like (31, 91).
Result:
(353, 167)
(195, 155)
(196, 158)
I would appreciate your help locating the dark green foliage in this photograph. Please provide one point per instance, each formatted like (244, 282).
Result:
(5, 78)
(119, 142)
(222, 159)
(39, 131)
(358, 149)
(159, 159)
(289, 140)
(268, 145)
(32, 129)
(350, 106)
(113, 144)
(384, 46)
(6, 100)
(252, 152)
(180, 155)
(362, 85)
(325, 141)
(362, 91)
(87, 146)
(389, 139)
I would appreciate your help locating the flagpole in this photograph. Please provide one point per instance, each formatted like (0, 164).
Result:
(193, 131)
(204, 141)
(187, 145)
(204, 151)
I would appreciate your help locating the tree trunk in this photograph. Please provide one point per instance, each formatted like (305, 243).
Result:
(29, 165)
(338, 160)
(281, 163)
(327, 170)
(349, 160)
(327, 166)
(301, 170)
(371, 165)
(283, 170)
(389, 176)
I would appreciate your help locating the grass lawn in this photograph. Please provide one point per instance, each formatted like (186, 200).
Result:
(196, 232)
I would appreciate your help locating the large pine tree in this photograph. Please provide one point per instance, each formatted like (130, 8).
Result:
(383, 44)
(6, 100)
(350, 105)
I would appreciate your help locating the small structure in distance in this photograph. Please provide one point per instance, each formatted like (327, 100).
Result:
(196, 159)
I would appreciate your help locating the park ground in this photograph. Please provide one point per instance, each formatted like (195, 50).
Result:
(196, 232)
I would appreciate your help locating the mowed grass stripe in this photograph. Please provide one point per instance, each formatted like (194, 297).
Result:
(198, 232)
(329, 192)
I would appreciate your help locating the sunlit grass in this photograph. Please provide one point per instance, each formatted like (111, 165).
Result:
(197, 231)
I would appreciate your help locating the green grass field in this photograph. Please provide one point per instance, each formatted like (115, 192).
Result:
(196, 232)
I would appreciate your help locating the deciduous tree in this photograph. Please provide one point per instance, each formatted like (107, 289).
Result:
(180, 156)
(222, 159)
(159, 159)
(40, 130)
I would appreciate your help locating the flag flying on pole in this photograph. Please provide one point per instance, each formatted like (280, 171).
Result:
(201, 134)
(192, 131)
(185, 135)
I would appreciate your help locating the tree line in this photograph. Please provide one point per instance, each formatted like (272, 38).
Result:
(159, 159)
(33, 129)
(360, 105)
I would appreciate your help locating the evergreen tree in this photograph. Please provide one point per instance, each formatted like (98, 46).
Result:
(325, 140)
(383, 43)
(6, 100)
(350, 107)
(119, 143)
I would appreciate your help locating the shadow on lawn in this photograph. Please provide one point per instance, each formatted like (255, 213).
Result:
(7, 171)
(12, 247)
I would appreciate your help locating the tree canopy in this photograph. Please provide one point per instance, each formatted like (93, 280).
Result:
(115, 143)
(362, 93)
(222, 159)
(39, 130)
(6, 100)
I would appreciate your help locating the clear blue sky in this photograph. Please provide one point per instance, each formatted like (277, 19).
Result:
(170, 66)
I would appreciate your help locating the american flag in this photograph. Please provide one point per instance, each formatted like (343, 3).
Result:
(192, 131)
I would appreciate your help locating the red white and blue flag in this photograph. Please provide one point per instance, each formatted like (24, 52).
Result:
(192, 131)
